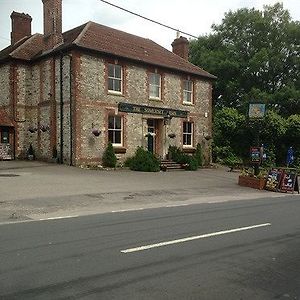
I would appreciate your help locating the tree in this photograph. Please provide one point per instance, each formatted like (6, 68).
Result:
(256, 56)
(228, 131)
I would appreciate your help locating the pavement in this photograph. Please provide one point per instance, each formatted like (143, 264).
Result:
(32, 190)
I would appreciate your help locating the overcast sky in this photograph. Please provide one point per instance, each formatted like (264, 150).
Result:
(192, 16)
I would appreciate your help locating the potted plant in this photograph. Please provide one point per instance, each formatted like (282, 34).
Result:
(248, 179)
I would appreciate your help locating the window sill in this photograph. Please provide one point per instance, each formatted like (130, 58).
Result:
(188, 103)
(188, 149)
(155, 99)
(115, 93)
(119, 149)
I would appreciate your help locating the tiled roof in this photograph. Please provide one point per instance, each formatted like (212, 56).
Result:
(4, 119)
(110, 41)
(25, 49)
(29, 48)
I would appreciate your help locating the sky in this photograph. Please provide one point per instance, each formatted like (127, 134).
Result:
(191, 16)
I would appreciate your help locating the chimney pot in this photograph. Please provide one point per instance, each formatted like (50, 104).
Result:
(20, 26)
(181, 47)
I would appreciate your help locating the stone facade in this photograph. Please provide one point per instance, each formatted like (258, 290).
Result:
(82, 102)
(96, 103)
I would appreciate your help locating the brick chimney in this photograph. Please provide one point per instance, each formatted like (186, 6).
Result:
(181, 47)
(52, 23)
(20, 26)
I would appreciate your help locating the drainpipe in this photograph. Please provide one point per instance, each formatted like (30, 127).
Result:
(71, 113)
(61, 110)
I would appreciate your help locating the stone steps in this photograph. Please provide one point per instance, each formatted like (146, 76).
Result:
(167, 165)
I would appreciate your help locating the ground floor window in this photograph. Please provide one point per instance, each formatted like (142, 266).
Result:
(188, 128)
(115, 128)
(4, 133)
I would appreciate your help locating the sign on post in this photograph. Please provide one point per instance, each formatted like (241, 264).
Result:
(255, 155)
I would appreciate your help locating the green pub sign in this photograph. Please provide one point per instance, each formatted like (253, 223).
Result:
(151, 110)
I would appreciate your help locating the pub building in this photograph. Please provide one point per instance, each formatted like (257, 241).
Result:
(68, 94)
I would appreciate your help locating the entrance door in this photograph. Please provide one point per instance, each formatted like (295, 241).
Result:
(152, 136)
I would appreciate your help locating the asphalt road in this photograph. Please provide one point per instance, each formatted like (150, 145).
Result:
(246, 249)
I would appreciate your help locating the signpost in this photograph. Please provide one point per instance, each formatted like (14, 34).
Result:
(256, 112)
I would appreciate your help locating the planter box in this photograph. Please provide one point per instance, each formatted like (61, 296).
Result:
(252, 182)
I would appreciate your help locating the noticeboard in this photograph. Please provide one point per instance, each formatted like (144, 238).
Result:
(289, 181)
(274, 179)
(255, 155)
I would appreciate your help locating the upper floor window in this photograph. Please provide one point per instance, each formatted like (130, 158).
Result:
(154, 86)
(115, 129)
(188, 132)
(188, 91)
(115, 78)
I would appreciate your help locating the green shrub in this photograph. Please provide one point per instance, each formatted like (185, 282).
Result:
(144, 161)
(192, 164)
(180, 157)
(232, 160)
(109, 158)
(199, 155)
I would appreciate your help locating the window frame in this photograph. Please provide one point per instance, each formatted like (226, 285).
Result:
(185, 133)
(151, 97)
(114, 78)
(187, 92)
(114, 130)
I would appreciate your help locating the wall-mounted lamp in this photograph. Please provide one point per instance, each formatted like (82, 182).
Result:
(167, 119)
(206, 114)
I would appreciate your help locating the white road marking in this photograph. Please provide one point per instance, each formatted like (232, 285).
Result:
(58, 218)
(127, 210)
(192, 238)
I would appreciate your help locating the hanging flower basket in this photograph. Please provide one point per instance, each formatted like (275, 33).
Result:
(171, 135)
(44, 128)
(32, 129)
(96, 132)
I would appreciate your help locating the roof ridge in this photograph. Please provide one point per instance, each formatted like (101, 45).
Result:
(84, 30)
(122, 31)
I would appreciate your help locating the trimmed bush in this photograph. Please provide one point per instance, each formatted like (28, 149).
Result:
(180, 157)
(199, 155)
(144, 161)
(192, 164)
(109, 158)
